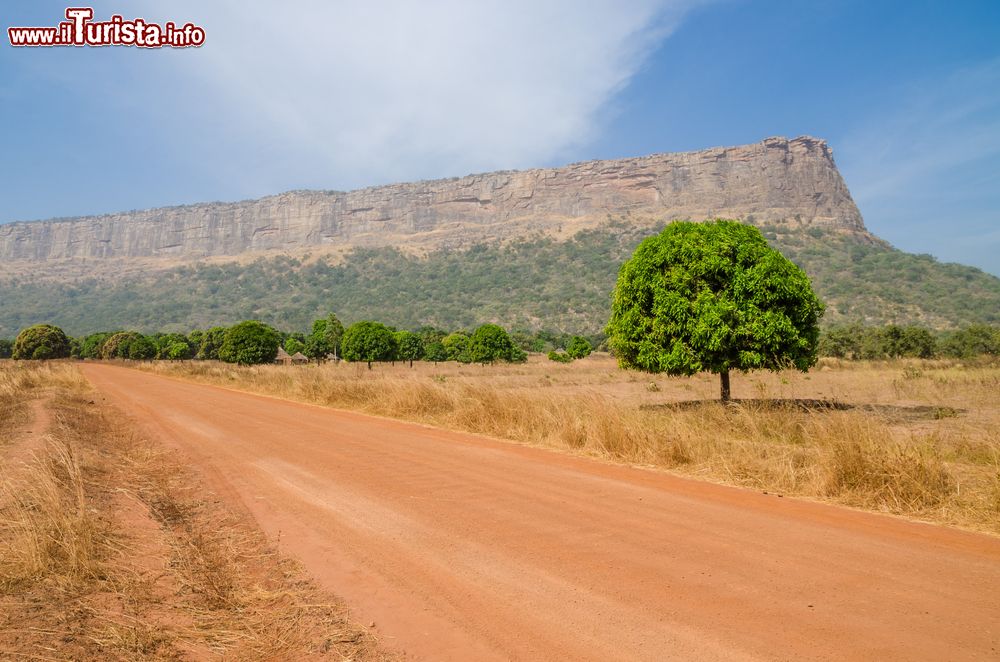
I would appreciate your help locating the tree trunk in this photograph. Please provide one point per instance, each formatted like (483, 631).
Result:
(724, 379)
(369, 365)
(411, 363)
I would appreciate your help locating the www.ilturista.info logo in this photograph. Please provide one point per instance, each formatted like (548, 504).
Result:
(80, 30)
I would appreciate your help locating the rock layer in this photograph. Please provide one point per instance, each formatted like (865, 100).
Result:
(776, 181)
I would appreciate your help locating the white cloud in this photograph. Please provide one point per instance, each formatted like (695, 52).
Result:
(348, 93)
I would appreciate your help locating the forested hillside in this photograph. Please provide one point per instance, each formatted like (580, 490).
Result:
(530, 284)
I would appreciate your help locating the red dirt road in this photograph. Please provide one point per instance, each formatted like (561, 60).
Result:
(465, 548)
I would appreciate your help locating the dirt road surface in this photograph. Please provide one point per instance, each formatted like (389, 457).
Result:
(465, 548)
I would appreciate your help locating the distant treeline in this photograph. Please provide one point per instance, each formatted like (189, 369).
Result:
(256, 342)
(892, 341)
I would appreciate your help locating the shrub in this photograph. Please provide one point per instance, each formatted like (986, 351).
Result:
(975, 340)
(843, 342)
(892, 341)
(579, 347)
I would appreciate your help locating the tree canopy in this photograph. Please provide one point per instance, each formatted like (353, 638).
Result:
(435, 351)
(409, 346)
(294, 345)
(91, 345)
(41, 341)
(325, 339)
(712, 296)
(250, 343)
(177, 351)
(489, 343)
(211, 343)
(167, 346)
(368, 341)
(128, 345)
(456, 347)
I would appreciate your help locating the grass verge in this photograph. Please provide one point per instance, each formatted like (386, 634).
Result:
(110, 549)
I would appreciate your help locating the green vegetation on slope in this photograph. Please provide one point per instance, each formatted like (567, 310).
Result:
(875, 284)
(537, 283)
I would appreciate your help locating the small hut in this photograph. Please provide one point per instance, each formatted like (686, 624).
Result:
(283, 357)
(298, 358)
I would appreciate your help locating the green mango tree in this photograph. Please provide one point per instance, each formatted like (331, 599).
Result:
(715, 297)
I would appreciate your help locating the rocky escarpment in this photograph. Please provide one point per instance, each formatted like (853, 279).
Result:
(777, 181)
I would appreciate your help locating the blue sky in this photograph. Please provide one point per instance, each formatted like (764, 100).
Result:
(318, 94)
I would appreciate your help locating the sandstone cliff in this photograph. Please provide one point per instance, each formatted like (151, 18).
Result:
(777, 181)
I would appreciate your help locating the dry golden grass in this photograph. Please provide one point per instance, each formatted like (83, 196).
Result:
(917, 438)
(49, 530)
(109, 549)
(20, 382)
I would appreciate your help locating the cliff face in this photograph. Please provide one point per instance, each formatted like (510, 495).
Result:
(777, 181)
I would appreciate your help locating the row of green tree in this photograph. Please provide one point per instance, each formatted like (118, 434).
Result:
(892, 341)
(252, 342)
(485, 344)
(432, 344)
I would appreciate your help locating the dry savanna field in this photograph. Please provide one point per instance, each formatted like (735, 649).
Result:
(111, 548)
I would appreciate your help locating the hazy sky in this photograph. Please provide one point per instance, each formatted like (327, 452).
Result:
(344, 94)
